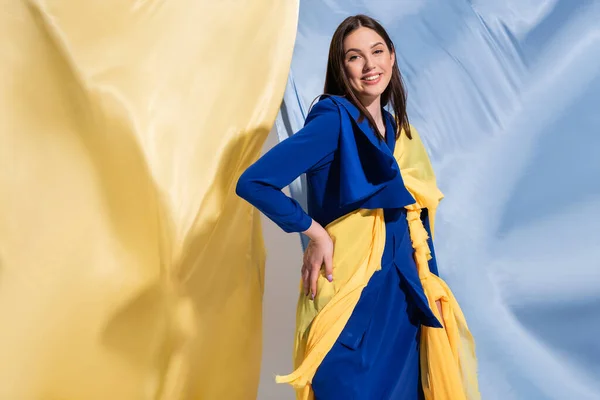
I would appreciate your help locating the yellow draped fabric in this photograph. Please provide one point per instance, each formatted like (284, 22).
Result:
(448, 362)
(129, 269)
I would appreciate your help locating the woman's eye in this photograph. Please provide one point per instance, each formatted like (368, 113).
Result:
(378, 51)
(352, 58)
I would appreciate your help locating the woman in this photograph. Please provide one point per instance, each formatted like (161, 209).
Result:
(359, 321)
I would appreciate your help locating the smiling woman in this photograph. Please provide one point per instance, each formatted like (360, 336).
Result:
(362, 66)
(374, 321)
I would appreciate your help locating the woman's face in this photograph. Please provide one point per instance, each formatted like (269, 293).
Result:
(368, 63)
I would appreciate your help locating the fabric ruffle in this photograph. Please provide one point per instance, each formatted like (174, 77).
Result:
(447, 358)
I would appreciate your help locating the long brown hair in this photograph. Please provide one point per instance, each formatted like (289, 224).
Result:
(337, 83)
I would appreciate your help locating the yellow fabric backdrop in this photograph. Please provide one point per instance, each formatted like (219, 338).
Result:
(128, 267)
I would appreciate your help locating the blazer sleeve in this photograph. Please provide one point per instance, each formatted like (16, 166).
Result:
(262, 182)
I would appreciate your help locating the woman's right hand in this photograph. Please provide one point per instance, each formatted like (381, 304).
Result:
(319, 252)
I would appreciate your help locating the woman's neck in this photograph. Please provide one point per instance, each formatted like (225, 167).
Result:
(373, 106)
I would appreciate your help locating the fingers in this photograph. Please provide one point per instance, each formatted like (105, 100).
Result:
(329, 268)
(314, 276)
(319, 254)
(305, 280)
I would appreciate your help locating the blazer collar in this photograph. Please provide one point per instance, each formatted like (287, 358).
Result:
(369, 173)
(363, 125)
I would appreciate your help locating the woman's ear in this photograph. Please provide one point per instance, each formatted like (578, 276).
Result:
(393, 57)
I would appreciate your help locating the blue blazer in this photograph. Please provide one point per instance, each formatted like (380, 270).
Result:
(347, 167)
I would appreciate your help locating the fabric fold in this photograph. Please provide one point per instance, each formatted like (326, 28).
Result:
(415, 287)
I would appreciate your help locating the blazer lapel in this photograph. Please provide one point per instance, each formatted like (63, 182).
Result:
(367, 165)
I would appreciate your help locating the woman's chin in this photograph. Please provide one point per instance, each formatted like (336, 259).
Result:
(370, 94)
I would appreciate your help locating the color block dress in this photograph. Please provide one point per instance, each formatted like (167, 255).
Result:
(347, 167)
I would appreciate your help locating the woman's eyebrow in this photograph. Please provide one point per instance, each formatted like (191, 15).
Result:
(357, 50)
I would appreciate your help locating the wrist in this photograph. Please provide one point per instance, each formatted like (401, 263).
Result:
(315, 231)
